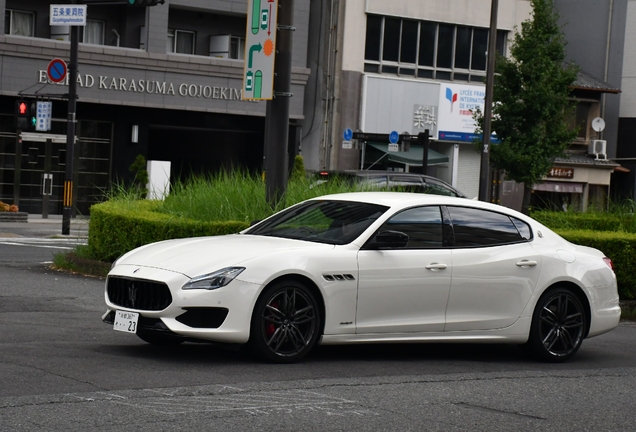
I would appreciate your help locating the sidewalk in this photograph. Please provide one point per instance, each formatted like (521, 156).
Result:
(37, 227)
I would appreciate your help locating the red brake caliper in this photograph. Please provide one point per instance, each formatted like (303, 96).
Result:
(270, 328)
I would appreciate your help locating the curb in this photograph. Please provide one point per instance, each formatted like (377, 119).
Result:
(21, 217)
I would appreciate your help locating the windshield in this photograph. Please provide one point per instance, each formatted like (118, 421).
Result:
(334, 222)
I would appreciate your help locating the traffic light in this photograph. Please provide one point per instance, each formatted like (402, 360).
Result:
(33, 116)
(22, 114)
(25, 115)
(144, 3)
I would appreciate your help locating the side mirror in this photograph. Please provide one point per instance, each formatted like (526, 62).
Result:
(389, 240)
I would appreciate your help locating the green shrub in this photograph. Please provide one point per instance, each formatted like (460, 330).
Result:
(581, 221)
(119, 226)
(620, 247)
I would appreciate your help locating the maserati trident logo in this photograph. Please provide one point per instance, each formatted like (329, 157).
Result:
(132, 294)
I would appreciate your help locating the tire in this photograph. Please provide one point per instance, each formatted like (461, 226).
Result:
(559, 325)
(285, 323)
(159, 339)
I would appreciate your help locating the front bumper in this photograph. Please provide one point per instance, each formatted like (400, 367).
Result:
(221, 315)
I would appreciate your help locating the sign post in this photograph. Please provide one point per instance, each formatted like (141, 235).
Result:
(260, 49)
(394, 137)
(73, 15)
(56, 70)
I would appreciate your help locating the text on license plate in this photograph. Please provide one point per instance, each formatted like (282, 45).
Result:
(126, 321)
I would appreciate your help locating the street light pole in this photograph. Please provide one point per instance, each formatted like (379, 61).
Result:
(484, 174)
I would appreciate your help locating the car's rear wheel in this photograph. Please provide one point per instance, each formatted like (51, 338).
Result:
(558, 326)
(156, 338)
(286, 322)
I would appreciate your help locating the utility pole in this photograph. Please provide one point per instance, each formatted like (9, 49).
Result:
(423, 138)
(277, 109)
(484, 173)
(70, 131)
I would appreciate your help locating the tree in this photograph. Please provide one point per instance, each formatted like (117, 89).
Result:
(530, 101)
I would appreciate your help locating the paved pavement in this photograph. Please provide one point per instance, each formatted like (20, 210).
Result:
(38, 227)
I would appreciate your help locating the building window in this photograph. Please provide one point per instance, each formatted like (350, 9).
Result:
(93, 32)
(180, 41)
(237, 48)
(427, 49)
(579, 118)
(19, 23)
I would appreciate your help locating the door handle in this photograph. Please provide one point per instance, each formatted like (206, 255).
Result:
(526, 263)
(436, 266)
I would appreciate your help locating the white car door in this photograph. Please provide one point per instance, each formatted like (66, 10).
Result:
(495, 270)
(405, 289)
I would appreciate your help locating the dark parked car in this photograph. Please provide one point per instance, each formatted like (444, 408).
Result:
(392, 181)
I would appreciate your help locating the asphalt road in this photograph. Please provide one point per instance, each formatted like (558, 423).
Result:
(61, 368)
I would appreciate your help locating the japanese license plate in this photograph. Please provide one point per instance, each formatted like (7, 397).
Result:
(126, 321)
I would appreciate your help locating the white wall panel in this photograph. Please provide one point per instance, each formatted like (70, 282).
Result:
(468, 170)
(467, 12)
(628, 85)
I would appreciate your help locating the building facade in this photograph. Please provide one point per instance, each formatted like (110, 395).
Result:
(626, 149)
(411, 66)
(164, 82)
(406, 66)
(596, 41)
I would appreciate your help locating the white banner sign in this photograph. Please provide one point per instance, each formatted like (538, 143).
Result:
(68, 15)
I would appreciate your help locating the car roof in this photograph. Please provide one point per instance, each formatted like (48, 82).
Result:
(410, 199)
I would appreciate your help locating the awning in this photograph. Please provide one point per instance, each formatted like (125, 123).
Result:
(411, 157)
(561, 187)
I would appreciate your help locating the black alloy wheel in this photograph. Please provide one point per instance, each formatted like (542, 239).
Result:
(558, 326)
(285, 323)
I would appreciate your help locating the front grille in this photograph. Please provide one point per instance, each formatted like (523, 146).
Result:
(138, 294)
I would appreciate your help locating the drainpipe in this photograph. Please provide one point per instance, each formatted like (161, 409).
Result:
(607, 53)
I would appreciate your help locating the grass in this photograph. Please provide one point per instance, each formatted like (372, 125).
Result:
(238, 196)
(78, 261)
(619, 216)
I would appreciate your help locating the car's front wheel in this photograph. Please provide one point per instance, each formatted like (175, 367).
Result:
(558, 326)
(286, 322)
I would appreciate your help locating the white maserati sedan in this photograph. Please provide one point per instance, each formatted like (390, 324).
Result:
(369, 267)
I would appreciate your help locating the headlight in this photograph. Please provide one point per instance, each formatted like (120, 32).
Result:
(214, 280)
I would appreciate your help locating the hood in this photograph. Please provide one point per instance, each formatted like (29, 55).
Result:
(200, 255)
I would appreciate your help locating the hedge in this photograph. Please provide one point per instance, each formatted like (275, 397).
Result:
(585, 221)
(620, 247)
(119, 226)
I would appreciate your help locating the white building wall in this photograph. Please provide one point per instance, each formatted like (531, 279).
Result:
(628, 85)
(468, 167)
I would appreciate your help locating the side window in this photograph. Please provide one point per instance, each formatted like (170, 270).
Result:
(524, 228)
(423, 225)
(476, 227)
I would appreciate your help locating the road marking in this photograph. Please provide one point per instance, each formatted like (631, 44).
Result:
(47, 243)
(226, 399)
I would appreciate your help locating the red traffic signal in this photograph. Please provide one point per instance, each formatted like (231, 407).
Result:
(22, 108)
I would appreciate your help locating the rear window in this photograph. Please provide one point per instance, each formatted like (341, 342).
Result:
(477, 227)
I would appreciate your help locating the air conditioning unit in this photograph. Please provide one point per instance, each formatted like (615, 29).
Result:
(598, 148)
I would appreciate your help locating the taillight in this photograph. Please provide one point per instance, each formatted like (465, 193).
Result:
(609, 263)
